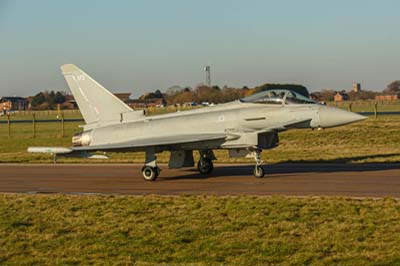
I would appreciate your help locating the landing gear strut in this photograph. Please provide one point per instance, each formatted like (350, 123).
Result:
(205, 164)
(150, 170)
(258, 170)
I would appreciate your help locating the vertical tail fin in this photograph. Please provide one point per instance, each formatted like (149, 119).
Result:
(96, 103)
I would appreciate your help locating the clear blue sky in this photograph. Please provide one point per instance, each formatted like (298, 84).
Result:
(139, 46)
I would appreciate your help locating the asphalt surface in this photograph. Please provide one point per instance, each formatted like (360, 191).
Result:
(355, 180)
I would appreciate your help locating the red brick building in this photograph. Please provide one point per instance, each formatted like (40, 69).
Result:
(340, 97)
(139, 103)
(387, 97)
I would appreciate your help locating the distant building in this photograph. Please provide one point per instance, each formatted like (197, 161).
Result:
(387, 97)
(13, 104)
(141, 103)
(356, 87)
(137, 104)
(340, 97)
(70, 102)
(29, 102)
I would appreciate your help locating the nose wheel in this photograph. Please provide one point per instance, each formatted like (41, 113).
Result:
(259, 171)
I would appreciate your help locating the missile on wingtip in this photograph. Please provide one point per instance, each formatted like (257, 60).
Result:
(52, 150)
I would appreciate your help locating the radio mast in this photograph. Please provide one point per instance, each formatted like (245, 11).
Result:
(207, 69)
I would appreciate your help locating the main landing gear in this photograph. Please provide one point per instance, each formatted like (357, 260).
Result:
(150, 173)
(150, 170)
(205, 164)
(258, 169)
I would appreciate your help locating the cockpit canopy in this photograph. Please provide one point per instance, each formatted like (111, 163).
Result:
(278, 97)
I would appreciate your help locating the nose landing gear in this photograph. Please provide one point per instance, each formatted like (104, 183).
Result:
(258, 169)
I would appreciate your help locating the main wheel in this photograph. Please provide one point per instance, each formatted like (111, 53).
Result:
(150, 173)
(205, 166)
(259, 171)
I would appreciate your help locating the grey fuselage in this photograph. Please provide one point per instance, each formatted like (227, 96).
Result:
(235, 118)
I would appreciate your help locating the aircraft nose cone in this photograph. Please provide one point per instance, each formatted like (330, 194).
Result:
(332, 117)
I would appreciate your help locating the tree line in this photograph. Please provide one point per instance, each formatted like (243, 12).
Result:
(214, 94)
(48, 100)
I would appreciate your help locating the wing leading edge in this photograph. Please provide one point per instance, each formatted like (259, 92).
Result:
(159, 141)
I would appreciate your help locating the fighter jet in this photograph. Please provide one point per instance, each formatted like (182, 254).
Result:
(244, 127)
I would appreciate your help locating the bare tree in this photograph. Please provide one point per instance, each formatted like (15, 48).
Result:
(393, 87)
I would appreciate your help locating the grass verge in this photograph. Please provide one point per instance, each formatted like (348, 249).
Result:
(197, 230)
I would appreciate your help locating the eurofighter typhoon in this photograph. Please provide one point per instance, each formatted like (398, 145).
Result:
(244, 127)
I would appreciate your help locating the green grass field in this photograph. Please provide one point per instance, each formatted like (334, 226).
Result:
(368, 106)
(197, 230)
(372, 140)
(43, 115)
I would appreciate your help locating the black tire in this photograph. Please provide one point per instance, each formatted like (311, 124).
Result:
(259, 172)
(205, 166)
(150, 173)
